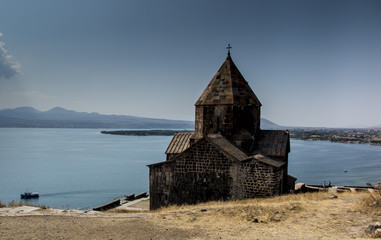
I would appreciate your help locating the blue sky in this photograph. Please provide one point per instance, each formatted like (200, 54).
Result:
(311, 63)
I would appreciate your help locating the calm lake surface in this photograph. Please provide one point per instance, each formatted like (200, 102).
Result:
(82, 168)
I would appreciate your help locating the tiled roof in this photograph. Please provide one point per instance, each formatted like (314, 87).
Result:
(179, 143)
(273, 143)
(227, 146)
(228, 86)
(268, 161)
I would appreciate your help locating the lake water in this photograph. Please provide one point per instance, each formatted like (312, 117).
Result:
(81, 168)
(313, 162)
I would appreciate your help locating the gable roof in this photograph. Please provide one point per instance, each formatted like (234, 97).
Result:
(228, 86)
(270, 142)
(273, 143)
(216, 140)
(179, 142)
(268, 161)
(227, 146)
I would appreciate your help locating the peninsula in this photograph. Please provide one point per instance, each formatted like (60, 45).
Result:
(342, 135)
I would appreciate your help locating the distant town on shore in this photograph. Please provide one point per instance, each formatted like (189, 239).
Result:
(357, 135)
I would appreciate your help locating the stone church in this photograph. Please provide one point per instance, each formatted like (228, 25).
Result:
(228, 156)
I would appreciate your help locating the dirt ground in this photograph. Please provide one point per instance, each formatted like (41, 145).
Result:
(311, 218)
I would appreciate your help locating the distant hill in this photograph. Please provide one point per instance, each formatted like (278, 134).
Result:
(62, 118)
(268, 125)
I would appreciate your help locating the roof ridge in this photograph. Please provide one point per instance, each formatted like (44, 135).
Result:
(230, 149)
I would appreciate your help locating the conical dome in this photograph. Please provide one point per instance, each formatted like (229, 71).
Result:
(228, 107)
(228, 86)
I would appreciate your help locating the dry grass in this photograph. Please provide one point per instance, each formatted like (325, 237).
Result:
(266, 205)
(319, 214)
(14, 204)
(117, 211)
(302, 216)
(371, 204)
(262, 210)
(2, 204)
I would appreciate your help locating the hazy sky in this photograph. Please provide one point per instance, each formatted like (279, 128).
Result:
(311, 63)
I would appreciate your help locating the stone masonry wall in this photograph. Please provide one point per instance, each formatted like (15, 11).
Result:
(161, 181)
(203, 174)
(258, 180)
(226, 119)
(200, 174)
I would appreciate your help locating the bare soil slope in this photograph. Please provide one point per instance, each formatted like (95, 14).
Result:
(304, 216)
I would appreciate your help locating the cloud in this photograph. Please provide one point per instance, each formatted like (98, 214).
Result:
(8, 66)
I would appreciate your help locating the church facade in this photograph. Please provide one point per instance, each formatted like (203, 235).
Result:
(228, 156)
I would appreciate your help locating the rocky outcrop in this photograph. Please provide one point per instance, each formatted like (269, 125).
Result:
(374, 230)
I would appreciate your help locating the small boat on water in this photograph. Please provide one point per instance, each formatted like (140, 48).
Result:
(28, 195)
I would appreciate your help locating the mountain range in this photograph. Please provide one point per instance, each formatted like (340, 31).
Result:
(62, 118)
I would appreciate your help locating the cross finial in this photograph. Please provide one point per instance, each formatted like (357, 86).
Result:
(228, 48)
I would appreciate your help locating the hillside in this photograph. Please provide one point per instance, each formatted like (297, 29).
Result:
(268, 125)
(301, 216)
(28, 117)
(63, 118)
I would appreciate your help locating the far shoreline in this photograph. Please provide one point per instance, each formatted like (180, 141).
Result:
(171, 132)
(144, 132)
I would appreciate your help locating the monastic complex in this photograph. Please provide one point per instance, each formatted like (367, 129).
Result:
(228, 156)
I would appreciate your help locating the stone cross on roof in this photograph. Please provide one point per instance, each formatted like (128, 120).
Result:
(228, 86)
(228, 48)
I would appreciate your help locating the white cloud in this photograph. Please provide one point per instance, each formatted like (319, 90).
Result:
(8, 66)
